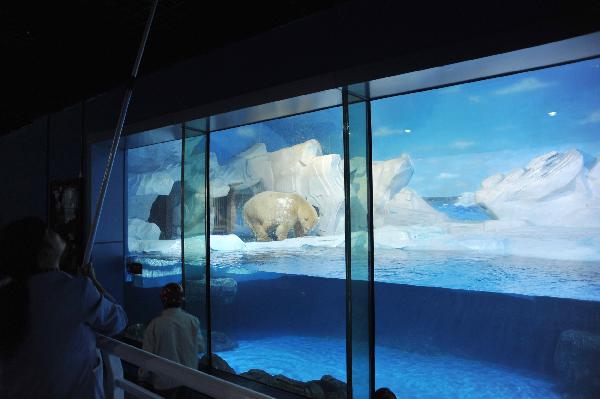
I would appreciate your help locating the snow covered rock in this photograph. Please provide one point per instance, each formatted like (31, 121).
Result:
(555, 189)
(138, 229)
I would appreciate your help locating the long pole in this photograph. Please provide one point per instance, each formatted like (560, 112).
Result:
(116, 138)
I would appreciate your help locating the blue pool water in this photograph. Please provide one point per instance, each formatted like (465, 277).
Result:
(409, 375)
(446, 269)
(447, 205)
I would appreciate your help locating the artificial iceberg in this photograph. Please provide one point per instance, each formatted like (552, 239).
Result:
(554, 189)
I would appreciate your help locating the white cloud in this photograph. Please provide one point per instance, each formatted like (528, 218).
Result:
(385, 131)
(475, 99)
(246, 131)
(462, 144)
(524, 85)
(446, 175)
(552, 113)
(594, 117)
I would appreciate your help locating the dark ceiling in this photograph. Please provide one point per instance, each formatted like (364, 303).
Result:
(56, 53)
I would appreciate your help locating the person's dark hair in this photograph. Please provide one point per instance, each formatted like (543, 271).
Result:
(20, 245)
(171, 295)
(384, 393)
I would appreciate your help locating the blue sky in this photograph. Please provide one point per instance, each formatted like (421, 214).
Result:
(457, 136)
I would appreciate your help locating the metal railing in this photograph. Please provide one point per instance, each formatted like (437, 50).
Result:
(114, 351)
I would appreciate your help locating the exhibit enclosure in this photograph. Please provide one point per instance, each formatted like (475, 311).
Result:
(435, 232)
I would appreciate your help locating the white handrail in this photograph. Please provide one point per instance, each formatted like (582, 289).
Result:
(194, 379)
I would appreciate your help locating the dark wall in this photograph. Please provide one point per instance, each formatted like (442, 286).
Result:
(356, 42)
(65, 144)
(23, 172)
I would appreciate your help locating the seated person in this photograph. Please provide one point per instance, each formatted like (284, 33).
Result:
(172, 335)
(49, 318)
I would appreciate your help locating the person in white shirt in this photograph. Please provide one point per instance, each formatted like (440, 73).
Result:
(174, 336)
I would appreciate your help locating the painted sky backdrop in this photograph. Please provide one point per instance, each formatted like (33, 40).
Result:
(459, 135)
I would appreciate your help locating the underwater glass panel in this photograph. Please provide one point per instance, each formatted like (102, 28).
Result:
(487, 234)
(358, 252)
(277, 260)
(153, 258)
(194, 225)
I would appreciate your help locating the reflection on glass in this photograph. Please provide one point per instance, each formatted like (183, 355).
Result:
(277, 251)
(358, 293)
(482, 191)
(194, 223)
(153, 175)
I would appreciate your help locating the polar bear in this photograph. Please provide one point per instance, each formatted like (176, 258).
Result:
(280, 211)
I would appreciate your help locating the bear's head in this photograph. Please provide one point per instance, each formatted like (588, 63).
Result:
(308, 217)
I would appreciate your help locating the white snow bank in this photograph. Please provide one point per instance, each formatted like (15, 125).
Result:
(229, 242)
(297, 243)
(497, 238)
(166, 248)
(193, 245)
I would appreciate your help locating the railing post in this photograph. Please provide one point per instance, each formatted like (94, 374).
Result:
(113, 370)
